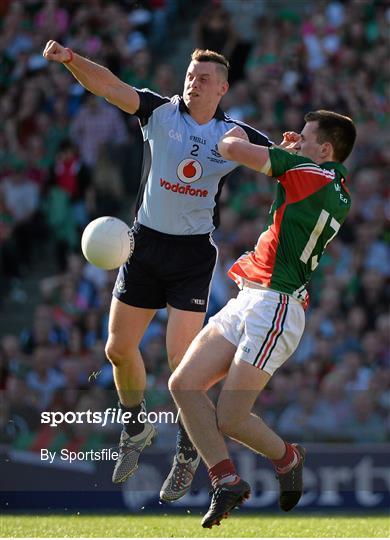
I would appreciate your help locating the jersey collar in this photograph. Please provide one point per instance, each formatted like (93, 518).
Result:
(336, 165)
(218, 115)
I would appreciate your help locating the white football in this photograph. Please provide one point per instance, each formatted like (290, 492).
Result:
(107, 242)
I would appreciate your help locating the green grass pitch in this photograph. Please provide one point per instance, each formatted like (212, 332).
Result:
(147, 526)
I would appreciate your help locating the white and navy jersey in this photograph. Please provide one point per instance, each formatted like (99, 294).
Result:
(182, 171)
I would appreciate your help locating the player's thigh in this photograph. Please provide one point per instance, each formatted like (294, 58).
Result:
(241, 388)
(182, 328)
(273, 327)
(127, 324)
(206, 361)
(138, 282)
(189, 273)
(211, 353)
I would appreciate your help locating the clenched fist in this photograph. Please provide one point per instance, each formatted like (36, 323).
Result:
(56, 52)
(290, 138)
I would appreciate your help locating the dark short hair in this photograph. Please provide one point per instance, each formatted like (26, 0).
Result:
(335, 128)
(205, 55)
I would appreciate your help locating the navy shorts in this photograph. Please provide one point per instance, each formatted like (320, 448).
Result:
(167, 269)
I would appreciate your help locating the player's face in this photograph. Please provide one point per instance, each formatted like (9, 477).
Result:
(203, 85)
(308, 145)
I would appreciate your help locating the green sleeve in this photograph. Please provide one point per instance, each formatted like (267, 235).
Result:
(282, 161)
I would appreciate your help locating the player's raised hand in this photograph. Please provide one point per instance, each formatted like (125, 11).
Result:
(56, 52)
(290, 138)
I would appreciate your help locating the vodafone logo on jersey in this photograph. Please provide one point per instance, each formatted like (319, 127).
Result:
(189, 171)
(183, 190)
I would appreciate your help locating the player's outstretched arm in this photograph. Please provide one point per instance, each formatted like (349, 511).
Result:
(95, 78)
(234, 145)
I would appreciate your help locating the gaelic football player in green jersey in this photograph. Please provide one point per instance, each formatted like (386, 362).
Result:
(255, 333)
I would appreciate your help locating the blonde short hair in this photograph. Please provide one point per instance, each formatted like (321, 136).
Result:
(205, 55)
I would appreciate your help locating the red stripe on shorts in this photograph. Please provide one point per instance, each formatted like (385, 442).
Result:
(272, 337)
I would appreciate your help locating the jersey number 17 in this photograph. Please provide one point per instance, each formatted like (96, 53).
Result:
(316, 232)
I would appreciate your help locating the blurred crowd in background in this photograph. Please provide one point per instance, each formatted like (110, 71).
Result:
(67, 157)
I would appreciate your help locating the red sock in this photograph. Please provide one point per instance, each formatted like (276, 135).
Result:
(288, 461)
(223, 472)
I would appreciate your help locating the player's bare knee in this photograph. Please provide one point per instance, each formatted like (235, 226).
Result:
(175, 384)
(228, 423)
(183, 381)
(175, 387)
(118, 356)
(181, 387)
(223, 423)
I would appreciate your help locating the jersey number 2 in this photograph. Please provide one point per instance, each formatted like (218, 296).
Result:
(311, 244)
(195, 150)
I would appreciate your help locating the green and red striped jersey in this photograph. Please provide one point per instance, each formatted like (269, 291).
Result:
(312, 201)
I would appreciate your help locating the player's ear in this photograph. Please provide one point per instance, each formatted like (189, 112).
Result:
(326, 150)
(224, 88)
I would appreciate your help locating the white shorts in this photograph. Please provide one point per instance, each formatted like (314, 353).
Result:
(264, 325)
